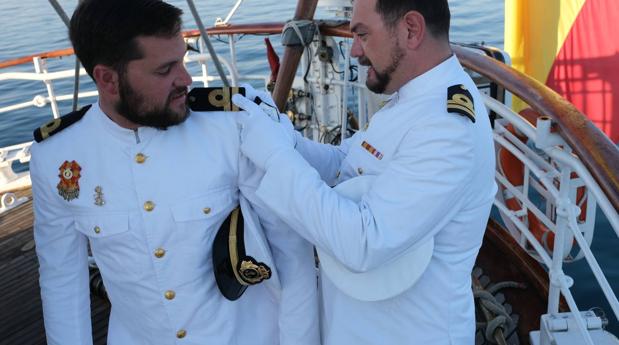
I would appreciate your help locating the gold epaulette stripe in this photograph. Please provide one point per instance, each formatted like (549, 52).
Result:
(56, 125)
(214, 98)
(460, 100)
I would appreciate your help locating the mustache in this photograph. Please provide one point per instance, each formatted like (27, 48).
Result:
(364, 61)
(180, 91)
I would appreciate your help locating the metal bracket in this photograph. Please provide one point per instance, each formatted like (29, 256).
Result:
(298, 32)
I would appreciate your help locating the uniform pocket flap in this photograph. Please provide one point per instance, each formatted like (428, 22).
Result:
(203, 207)
(102, 225)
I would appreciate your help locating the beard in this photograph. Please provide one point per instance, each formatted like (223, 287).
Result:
(134, 108)
(383, 78)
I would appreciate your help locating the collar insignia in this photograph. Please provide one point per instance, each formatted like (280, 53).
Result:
(460, 100)
(374, 152)
(99, 201)
(69, 187)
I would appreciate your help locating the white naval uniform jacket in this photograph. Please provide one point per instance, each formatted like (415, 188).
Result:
(434, 178)
(165, 194)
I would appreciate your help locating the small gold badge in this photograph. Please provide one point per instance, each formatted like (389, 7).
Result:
(99, 196)
(69, 187)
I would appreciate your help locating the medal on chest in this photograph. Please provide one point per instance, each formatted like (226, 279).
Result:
(69, 187)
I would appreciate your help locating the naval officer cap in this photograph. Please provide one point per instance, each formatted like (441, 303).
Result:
(385, 281)
(240, 234)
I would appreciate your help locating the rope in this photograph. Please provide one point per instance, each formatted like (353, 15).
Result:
(294, 25)
(498, 319)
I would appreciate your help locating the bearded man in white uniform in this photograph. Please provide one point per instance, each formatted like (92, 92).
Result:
(430, 150)
(146, 185)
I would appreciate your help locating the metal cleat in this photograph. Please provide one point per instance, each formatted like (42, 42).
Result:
(9, 201)
(562, 329)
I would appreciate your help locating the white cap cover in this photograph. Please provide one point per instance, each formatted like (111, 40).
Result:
(385, 281)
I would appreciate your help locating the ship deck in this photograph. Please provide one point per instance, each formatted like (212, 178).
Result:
(21, 317)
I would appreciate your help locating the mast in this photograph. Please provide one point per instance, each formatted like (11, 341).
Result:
(292, 54)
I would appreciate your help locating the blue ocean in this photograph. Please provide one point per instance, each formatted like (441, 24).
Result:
(31, 26)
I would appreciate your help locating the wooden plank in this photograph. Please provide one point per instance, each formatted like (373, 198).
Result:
(20, 300)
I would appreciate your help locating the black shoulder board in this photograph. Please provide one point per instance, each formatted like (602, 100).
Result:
(234, 270)
(459, 100)
(57, 125)
(214, 98)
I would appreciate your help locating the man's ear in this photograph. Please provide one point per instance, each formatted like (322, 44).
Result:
(106, 79)
(415, 26)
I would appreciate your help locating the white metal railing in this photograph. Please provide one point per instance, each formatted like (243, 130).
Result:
(548, 169)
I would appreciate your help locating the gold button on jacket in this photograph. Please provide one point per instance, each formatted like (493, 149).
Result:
(97, 229)
(149, 206)
(206, 210)
(140, 158)
(170, 294)
(181, 334)
(159, 252)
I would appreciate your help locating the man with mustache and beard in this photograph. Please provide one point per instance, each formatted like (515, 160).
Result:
(144, 184)
(429, 152)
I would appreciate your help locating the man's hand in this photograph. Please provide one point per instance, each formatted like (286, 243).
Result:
(266, 102)
(263, 99)
(261, 138)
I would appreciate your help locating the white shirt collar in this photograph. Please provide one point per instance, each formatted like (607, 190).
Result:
(425, 82)
(125, 135)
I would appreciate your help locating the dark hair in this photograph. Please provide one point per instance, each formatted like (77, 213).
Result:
(435, 12)
(104, 31)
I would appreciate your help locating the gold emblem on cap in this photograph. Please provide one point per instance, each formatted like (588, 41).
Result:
(253, 273)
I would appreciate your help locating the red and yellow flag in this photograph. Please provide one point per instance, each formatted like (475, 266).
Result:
(573, 47)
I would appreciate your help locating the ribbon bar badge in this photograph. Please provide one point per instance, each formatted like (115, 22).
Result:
(374, 152)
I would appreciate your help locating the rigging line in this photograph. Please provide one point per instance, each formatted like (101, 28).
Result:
(207, 41)
(238, 39)
(76, 80)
